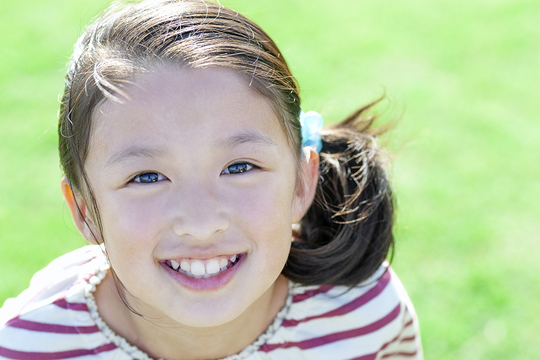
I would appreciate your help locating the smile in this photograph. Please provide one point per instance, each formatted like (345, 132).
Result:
(203, 269)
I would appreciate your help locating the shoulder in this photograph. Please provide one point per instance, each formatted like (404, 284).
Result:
(375, 318)
(50, 320)
(53, 282)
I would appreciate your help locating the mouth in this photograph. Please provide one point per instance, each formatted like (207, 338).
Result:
(203, 268)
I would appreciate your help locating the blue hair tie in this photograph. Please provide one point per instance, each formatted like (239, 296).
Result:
(311, 123)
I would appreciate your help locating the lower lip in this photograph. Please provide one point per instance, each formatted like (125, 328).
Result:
(212, 283)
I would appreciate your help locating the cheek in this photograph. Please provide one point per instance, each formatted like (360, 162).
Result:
(266, 207)
(265, 217)
(130, 232)
(131, 222)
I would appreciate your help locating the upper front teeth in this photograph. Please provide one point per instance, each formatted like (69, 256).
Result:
(198, 268)
(212, 267)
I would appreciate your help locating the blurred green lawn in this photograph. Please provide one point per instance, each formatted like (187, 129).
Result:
(464, 74)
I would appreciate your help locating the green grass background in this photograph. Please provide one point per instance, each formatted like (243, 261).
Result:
(463, 75)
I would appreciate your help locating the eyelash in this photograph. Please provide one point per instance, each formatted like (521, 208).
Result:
(232, 169)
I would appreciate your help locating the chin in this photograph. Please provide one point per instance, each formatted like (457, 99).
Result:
(205, 316)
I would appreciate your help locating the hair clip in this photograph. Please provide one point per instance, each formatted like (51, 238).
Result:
(311, 123)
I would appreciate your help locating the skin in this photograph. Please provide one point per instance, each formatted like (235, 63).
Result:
(189, 127)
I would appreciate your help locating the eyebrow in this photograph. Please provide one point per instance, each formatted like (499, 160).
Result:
(132, 152)
(231, 142)
(246, 137)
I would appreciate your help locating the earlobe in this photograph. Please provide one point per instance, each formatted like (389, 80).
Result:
(309, 178)
(78, 209)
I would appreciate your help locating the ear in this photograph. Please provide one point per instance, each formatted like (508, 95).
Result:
(307, 184)
(79, 212)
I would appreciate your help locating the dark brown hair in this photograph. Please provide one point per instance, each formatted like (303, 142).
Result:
(346, 233)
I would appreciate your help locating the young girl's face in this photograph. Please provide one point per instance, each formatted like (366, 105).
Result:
(194, 168)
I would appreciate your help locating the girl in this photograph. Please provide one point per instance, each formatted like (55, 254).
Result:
(219, 231)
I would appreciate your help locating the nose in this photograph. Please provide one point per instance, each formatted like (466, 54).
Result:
(199, 214)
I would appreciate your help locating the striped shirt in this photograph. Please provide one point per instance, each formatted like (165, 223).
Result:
(53, 319)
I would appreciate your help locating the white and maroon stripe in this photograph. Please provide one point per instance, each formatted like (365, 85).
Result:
(338, 336)
(380, 296)
(323, 289)
(76, 306)
(51, 328)
(56, 339)
(373, 318)
(61, 315)
(339, 316)
(57, 355)
(348, 344)
(349, 306)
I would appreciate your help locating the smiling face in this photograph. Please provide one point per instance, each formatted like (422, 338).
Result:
(193, 169)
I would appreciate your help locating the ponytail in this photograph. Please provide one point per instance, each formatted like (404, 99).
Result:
(347, 232)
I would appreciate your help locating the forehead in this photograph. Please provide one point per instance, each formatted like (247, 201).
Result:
(187, 103)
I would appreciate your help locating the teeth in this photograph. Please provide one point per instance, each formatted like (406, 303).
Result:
(206, 268)
(212, 266)
(197, 268)
(185, 265)
(223, 263)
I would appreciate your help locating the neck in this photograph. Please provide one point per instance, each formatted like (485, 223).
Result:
(161, 337)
